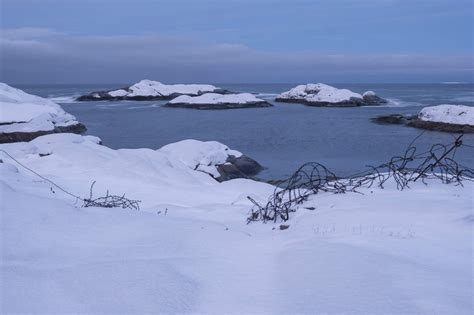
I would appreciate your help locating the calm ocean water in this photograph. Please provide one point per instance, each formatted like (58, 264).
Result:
(282, 137)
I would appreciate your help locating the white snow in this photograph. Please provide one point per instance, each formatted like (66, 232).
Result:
(214, 98)
(189, 249)
(23, 112)
(368, 93)
(155, 88)
(446, 113)
(384, 251)
(319, 93)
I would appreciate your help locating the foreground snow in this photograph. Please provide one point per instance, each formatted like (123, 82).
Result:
(26, 113)
(325, 95)
(189, 250)
(449, 114)
(148, 89)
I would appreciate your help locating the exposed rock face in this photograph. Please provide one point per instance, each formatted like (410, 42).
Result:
(446, 118)
(218, 101)
(440, 126)
(238, 167)
(28, 136)
(25, 117)
(395, 119)
(370, 98)
(325, 95)
(147, 90)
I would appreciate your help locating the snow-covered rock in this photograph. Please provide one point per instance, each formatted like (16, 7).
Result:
(151, 90)
(213, 158)
(448, 114)
(325, 95)
(446, 117)
(189, 249)
(24, 116)
(218, 101)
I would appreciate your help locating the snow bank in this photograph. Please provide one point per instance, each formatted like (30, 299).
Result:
(325, 95)
(189, 250)
(449, 114)
(147, 89)
(22, 113)
(214, 100)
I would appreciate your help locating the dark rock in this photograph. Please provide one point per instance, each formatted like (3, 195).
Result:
(414, 121)
(439, 126)
(28, 136)
(395, 119)
(352, 102)
(238, 167)
(218, 106)
(372, 99)
(284, 226)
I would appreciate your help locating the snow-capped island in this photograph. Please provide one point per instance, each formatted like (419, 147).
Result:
(147, 90)
(218, 101)
(320, 94)
(446, 118)
(24, 117)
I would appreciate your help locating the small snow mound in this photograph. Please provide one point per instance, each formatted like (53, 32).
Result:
(447, 113)
(368, 93)
(199, 155)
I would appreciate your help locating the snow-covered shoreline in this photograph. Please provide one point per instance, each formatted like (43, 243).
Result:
(189, 249)
(146, 90)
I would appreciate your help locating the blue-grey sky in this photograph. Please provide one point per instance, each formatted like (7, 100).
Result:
(232, 41)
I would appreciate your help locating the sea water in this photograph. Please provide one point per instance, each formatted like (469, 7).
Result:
(281, 137)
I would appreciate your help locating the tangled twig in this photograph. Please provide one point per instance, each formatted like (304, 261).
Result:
(110, 201)
(312, 178)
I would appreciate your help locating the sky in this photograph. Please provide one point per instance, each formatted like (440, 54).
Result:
(236, 41)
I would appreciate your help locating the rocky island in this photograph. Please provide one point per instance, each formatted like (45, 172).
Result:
(325, 95)
(25, 116)
(446, 118)
(147, 90)
(218, 101)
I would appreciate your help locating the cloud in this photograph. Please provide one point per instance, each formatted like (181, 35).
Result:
(36, 55)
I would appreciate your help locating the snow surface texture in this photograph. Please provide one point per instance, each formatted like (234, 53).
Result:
(325, 95)
(214, 98)
(189, 250)
(449, 114)
(23, 112)
(148, 88)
